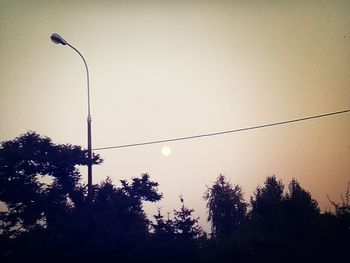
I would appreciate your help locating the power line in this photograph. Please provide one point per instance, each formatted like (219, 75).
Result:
(223, 132)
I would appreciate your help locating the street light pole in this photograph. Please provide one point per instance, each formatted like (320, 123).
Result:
(57, 39)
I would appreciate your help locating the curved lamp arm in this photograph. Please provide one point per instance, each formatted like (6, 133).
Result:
(87, 78)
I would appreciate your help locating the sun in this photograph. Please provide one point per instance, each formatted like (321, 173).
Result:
(166, 151)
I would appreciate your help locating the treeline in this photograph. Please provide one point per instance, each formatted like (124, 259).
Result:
(49, 217)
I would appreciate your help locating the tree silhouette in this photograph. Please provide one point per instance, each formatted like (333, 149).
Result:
(164, 246)
(343, 209)
(38, 180)
(48, 216)
(226, 207)
(115, 225)
(266, 202)
(164, 229)
(338, 227)
(177, 239)
(26, 165)
(186, 228)
(299, 207)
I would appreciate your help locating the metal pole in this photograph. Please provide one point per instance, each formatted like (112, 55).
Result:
(89, 120)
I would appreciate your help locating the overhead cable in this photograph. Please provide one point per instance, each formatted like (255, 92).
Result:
(224, 132)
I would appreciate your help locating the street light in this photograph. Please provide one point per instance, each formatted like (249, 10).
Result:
(57, 39)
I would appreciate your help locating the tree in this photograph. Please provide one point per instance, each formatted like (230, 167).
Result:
(27, 165)
(298, 203)
(340, 235)
(47, 207)
(272, 208)
(164, 229)
(176, 239)
(115, 225)
(165, 247)
(182, 228)
(226, 207)
(267, 201)
(342, 210)
(286, 223)
(186, 227)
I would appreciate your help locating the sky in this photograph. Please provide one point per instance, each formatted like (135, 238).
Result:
(167, 69)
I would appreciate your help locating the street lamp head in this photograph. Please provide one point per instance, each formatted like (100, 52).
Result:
(57, 39)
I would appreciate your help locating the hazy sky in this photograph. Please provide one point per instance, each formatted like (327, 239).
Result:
(164, 69)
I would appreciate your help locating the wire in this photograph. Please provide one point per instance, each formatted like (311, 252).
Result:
(224, 132)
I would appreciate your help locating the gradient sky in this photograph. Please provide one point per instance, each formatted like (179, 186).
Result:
(164, 69)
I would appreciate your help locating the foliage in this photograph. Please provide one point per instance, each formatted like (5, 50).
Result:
(300, 210)
(49, 217)
(226, 207)
(164, 229)
(267, 200)
(26, 164)
(343, 209)
(176, 239)
(186, 228)
(341, 222)
(115, 223)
